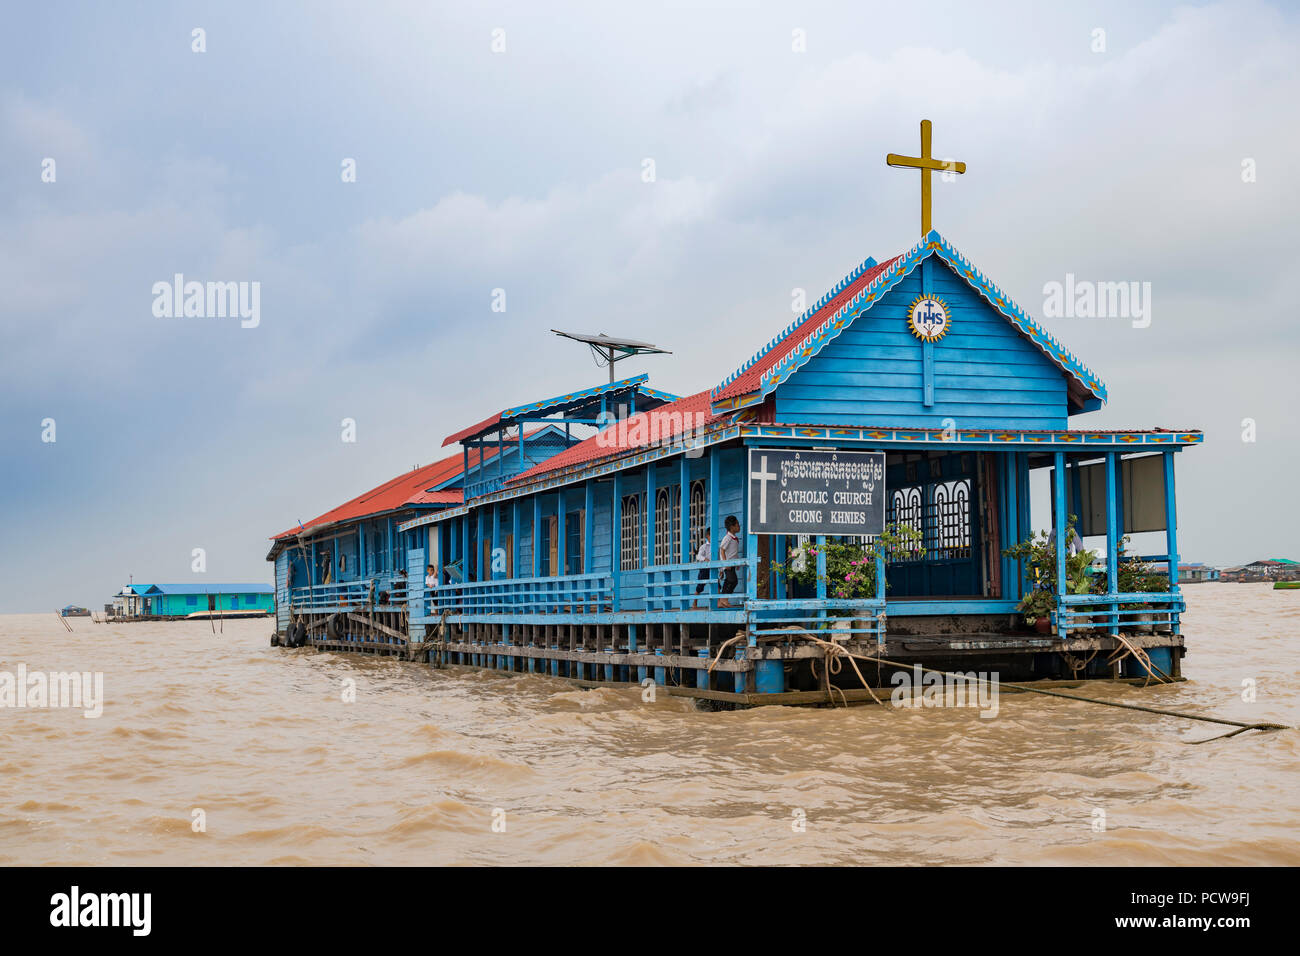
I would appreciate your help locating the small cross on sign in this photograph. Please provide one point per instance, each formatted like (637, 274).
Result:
(762, 476)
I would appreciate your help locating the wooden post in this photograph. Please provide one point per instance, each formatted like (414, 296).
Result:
(779, 555)
(588, 525)
(496, 541)
(561, 532)
(515, 544)
(1112, 541)
(880, 596)
(684, 511)
(1026, 523)
(715, 479)
(821, 573)
(1171, 523)
(751, 551)
(537, 535)
(616, 541)
(478, 542)
(464, 549)
(1011, 581)
(649, 517)
(1059, 479)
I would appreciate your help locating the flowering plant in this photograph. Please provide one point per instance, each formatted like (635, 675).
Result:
(850, 567)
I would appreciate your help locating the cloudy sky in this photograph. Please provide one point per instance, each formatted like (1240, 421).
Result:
(1102, 141)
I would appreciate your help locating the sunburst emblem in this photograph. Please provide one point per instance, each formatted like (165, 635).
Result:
(928, 318)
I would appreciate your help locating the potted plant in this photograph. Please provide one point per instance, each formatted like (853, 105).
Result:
(850, 567)
(1037, 607)
(1038, 551)
(1135, 576)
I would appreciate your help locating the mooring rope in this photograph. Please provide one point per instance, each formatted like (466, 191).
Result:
(1077, 665)
(1241, 726)
(1143, 658)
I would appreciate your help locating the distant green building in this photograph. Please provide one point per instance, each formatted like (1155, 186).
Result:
(187, 600)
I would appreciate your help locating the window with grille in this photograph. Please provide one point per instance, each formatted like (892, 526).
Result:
(905, 509)
(950, 523)
(698, 514)
(668, 521)
(630, 545)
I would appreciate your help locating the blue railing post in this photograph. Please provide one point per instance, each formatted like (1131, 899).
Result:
(616, 543)
(479, 534)
(1058, 489)
(649, 559)
(880, 596)
(464, 546)
(821, 573)
(561, 534)
(684, 510)
(496, 542)
(514, 536)
(715, 479)
(751, 567)
(1171, 537)
(1112, 542)
(588, 525)
(537, 535)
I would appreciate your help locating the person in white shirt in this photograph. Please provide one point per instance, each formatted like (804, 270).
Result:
(702, 554)
(430, 577)
(729, 548)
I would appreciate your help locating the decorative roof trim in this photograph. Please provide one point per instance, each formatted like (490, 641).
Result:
(933, 244)
(505, 417)
(817, 306)
(984, 436)
(570, 397)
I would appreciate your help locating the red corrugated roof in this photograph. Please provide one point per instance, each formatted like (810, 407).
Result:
(396, 492)
(472, 430)
(749, 380)
(642, 430)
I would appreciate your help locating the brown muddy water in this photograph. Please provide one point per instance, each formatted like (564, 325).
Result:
(421, 765)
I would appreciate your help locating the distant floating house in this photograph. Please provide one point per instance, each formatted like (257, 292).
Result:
(1193, 572)
(1266, 569)
(178, 601)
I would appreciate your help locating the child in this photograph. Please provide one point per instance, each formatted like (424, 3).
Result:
(702, 554)
(727, 550)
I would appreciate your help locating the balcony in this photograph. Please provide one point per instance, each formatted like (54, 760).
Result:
(350, 595)
(1160, 610)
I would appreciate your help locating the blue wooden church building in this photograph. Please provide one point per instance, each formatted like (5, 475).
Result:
(562, 537)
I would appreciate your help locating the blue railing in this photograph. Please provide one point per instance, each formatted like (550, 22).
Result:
(485, 486)
(826, 618)
(673, 587)
(1108, 611)
(319, 597)
(575, 593)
